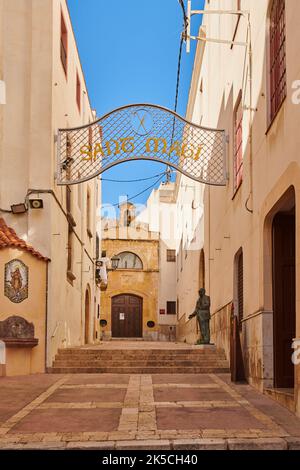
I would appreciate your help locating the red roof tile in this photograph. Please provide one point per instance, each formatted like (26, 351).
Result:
(9, 239)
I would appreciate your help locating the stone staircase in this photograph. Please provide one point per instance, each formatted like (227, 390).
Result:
(171, 360)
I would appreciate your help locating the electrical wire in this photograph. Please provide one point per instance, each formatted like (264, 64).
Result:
(185, 18)
(183, 36)
(178, 74)
(142, 192)
(133, 181)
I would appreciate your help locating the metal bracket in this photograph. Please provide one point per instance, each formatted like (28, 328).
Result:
(191, 13)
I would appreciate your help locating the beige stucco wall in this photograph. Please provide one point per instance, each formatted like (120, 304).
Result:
(23, 361)
(161, 216)
(41, 99)
(143, 283)
(271, 166)
(190, 226)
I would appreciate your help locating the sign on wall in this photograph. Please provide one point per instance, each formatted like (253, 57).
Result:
(16, 281)
(141, 132)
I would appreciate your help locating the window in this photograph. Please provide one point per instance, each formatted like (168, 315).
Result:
(88, 214)
(181, 255)
(64, 44)
(171, 256)
(238, 144)
(97, 246)
(129, 261)
(240, 288)
(78, 92)
(171, 308)
(277, 64)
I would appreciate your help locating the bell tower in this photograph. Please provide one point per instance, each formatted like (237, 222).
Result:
(127, 214)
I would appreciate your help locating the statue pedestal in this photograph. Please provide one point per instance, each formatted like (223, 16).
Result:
(210, 346)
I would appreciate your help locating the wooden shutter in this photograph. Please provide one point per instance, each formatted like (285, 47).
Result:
(277, 70)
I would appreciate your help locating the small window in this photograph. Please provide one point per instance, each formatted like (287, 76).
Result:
(277, 61)
(64, 44)
(238, 144)
(171, 308)
(78, 92)
(97, 246)
(171, 256)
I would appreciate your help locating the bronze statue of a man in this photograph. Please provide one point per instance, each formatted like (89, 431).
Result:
(202, 312)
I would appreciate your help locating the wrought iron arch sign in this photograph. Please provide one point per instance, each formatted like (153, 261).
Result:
(141, 132)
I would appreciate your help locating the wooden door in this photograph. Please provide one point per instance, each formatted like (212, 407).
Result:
(284, 299)
(127, 316)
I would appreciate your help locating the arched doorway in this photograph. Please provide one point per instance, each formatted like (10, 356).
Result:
(280, 291)
(87, 316)
(284, 296)
(127, 316)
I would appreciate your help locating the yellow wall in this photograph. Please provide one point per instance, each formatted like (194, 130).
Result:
(23, 361)
(142, 283)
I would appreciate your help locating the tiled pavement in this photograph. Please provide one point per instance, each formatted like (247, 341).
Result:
(140, 412)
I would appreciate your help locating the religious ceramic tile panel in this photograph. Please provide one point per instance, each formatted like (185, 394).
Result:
(16, 281)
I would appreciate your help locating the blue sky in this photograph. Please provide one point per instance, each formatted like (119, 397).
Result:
(129, 52)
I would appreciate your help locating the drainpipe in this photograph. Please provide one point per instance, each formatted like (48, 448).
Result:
(46, 314)
(251, 110)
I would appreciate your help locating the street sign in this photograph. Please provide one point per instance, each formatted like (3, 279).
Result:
(141, 132)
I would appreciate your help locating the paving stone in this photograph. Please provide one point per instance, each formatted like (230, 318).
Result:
(144, 435)
(91, 445)
(144, 445)
(11, 446)
(257, 444)
(44, 446)
(293, 443)
(121, 436)
(200, 444)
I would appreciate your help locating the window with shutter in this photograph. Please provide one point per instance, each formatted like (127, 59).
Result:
(238, 144)
(277, 64)
(63, 44)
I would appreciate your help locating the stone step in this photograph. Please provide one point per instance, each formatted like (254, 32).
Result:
(138, 370)
(126, 355)
(59, 363)
(138, 351)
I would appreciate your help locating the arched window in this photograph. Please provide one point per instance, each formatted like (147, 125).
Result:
(129, 260)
